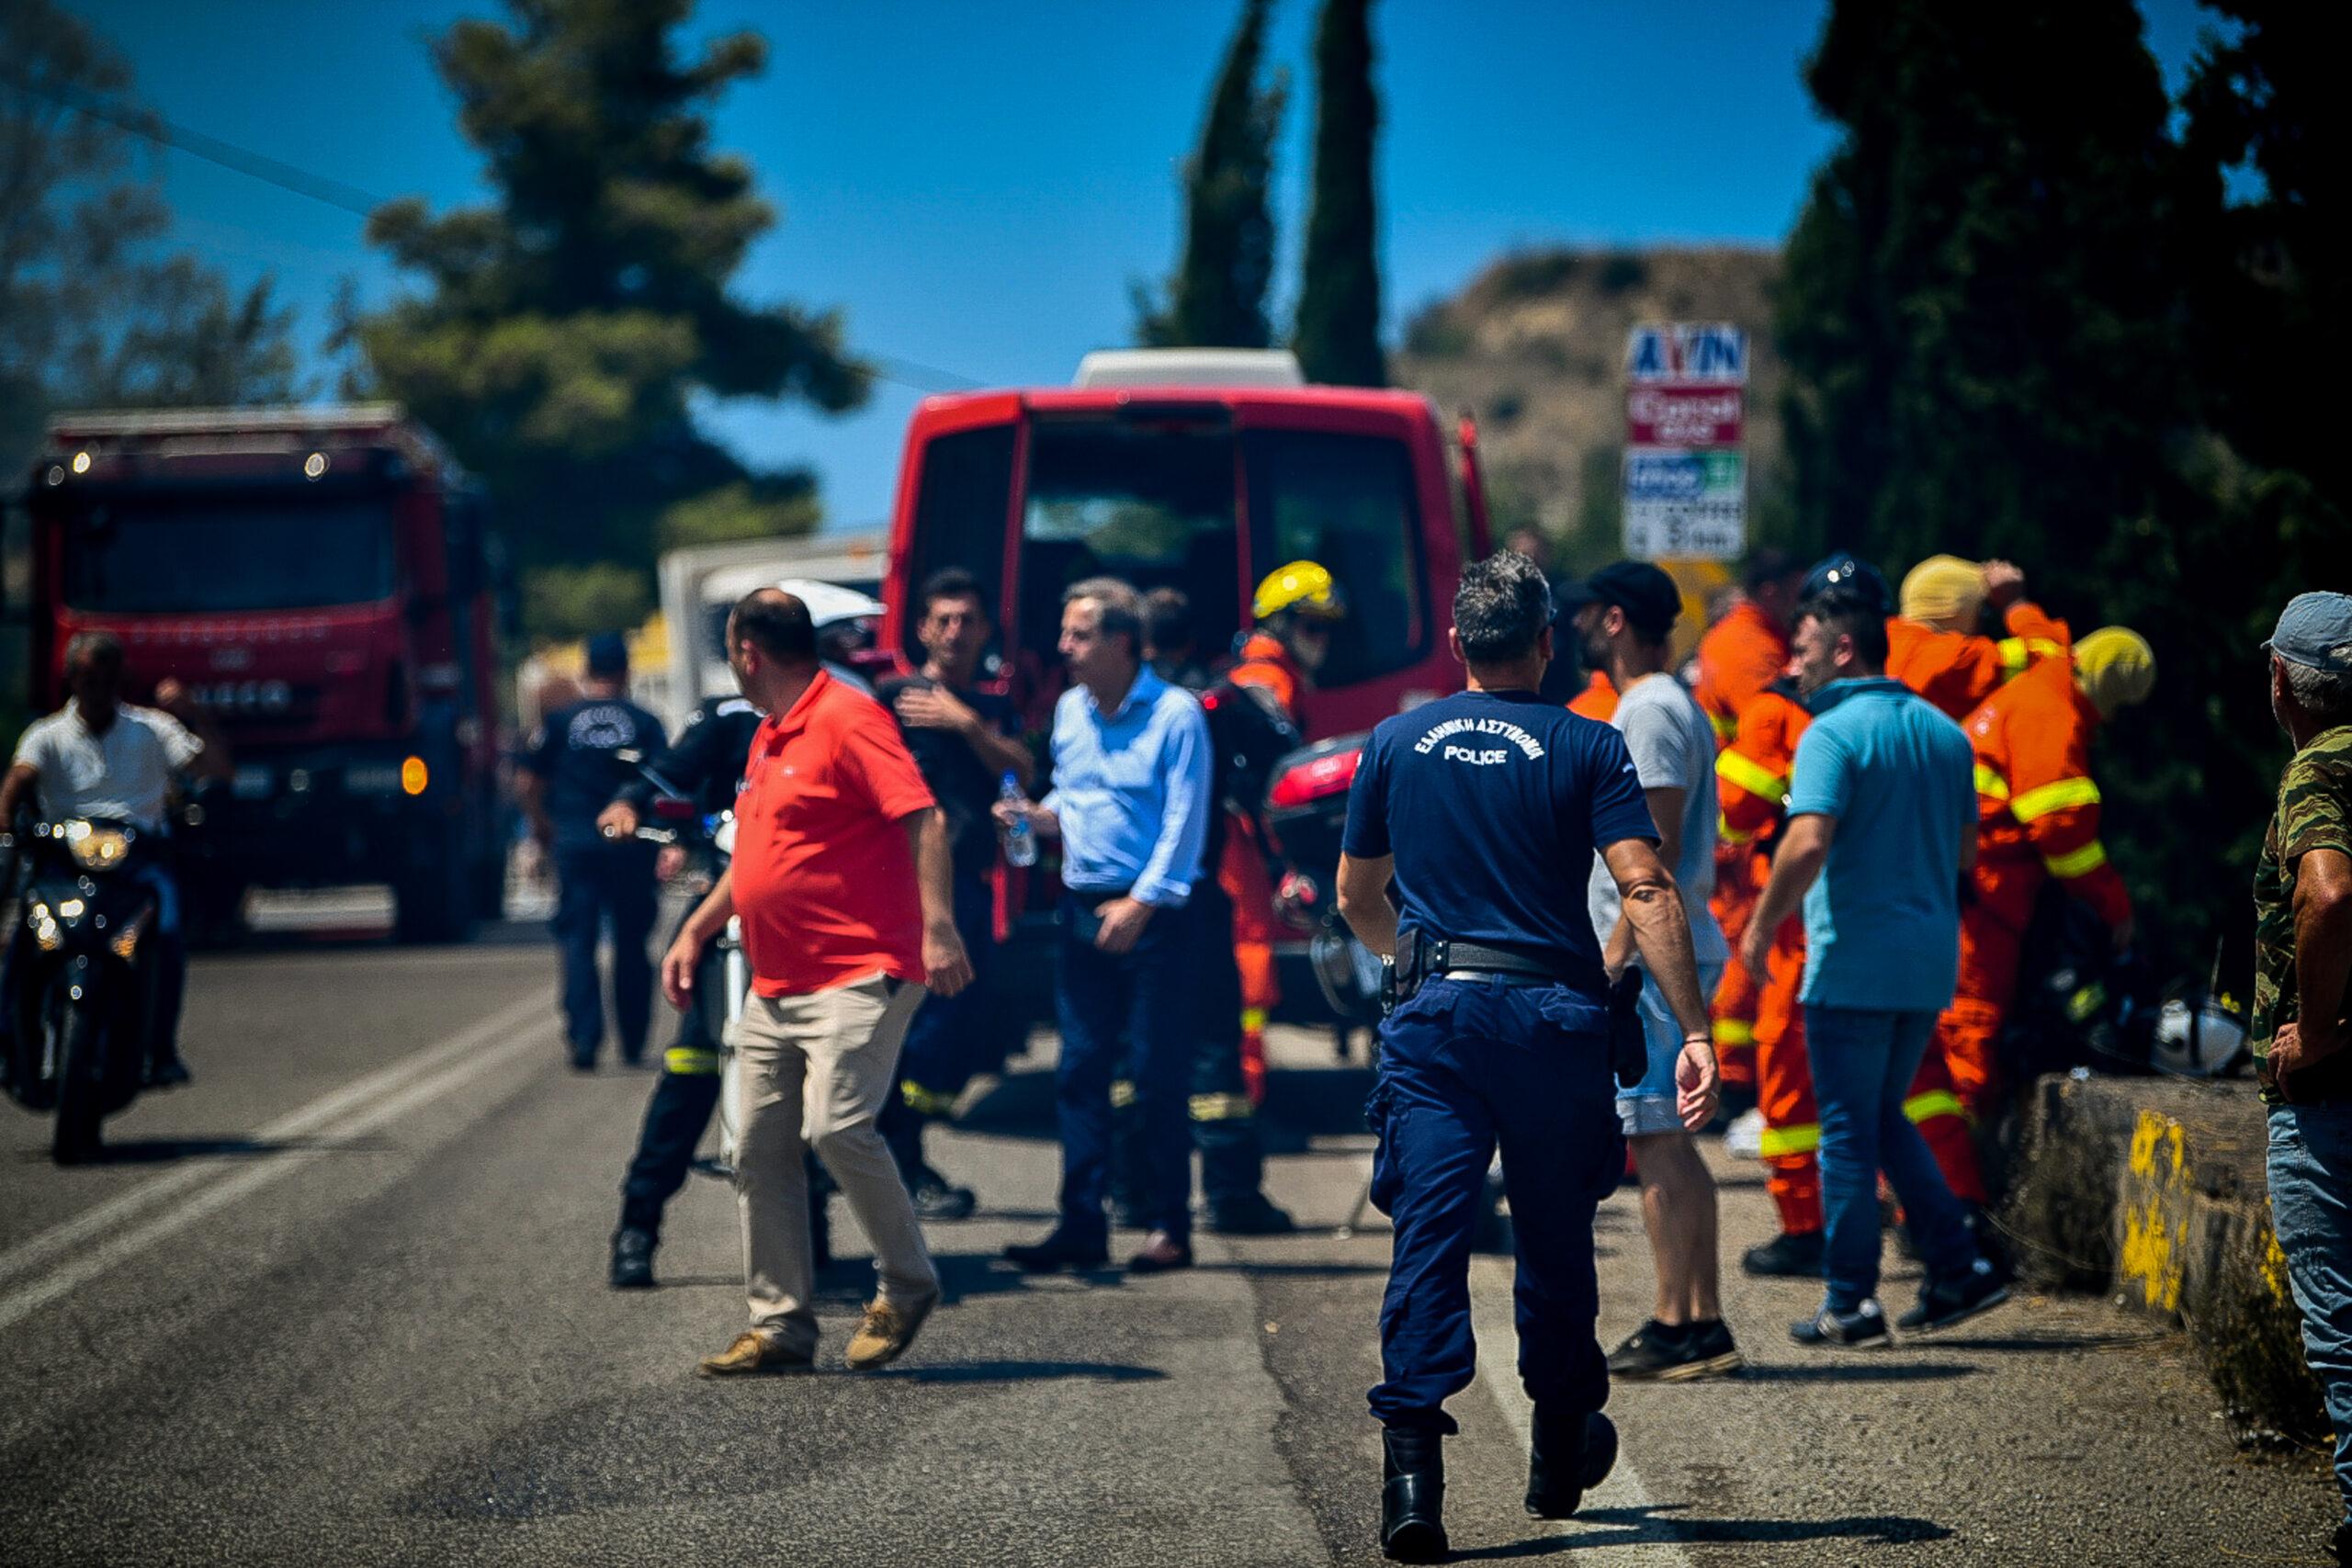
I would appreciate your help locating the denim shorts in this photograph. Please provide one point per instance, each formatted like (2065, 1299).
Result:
(1648, 1106)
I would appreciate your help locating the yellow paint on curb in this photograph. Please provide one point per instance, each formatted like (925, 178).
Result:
(2155, 1212)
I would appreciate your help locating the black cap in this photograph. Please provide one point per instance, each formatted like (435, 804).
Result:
(1846, 574)
(1646, 595)
(608, 654)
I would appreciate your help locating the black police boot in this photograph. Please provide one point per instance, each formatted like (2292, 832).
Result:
(1568, 1456)
(632, 1260)
(1412, 1496)
(1786, 1257)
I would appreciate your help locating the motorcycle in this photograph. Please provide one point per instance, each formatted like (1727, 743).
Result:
(83, 978)
(1307, 813)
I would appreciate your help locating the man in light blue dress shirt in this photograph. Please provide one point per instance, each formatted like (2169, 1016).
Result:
(1130, 804)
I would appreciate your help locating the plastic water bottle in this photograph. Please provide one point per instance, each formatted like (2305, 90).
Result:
(1019, 839)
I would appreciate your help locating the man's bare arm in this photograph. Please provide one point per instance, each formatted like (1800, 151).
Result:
(1661, 928)
(2322, 949)
(710, 917)
(1805, 847)
(1666, 814)
(1364, 902)
(948, 969)
(21, 778)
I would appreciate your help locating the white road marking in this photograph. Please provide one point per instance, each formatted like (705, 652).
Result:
(351, 1111)
(1491, 1322)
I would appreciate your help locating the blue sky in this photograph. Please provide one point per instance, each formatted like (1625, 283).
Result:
(976, 186)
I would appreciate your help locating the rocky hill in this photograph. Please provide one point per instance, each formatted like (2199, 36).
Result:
(1534, 346)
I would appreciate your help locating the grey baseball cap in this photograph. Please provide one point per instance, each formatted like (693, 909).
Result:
(2316, 631)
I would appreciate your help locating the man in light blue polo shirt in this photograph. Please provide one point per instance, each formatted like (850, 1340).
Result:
(1130, 804)
(1881, 823)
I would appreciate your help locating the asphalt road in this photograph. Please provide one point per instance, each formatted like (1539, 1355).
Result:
(342, 1300)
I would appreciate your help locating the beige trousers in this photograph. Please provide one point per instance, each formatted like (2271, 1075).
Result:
(813, 1072)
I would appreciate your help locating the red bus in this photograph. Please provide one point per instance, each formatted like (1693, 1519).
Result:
(1204, 470)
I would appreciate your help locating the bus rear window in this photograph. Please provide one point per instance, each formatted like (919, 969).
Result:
(1347, 502)
(1152, 504)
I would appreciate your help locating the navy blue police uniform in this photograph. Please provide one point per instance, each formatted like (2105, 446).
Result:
(1493, 804)
(950, 1038)
(577, 756)
(706, 765)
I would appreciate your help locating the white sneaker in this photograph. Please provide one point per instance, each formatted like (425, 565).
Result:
(1744, 1139)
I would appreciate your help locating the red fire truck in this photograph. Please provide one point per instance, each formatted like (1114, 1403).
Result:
(323, 581)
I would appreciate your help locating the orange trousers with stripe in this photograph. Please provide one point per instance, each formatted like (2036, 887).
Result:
(1992, 946)
(1792, 1120)
(1242, 874)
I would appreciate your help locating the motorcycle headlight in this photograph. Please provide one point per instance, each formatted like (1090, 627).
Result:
(95, 848)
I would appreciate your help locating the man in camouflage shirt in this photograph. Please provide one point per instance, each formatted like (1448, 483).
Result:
(2302, 894)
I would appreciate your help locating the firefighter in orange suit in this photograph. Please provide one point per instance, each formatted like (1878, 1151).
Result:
(2038, 818)
(1741, 655)
(1933, 646)
(1296, 609)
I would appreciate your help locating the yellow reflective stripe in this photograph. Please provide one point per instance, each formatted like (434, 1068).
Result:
(2016, 652)
(1724, 727)
(926, 1102)
(1734, 1031)
(1221, 1107)
(1934, 1103)
(2078, 863)
(689, 1063)
(2050, 798)
(1253, 1020)
(1990, 784)
(1798, 1140)
(1729, 834)
(1752, 776)
(1123, 1094)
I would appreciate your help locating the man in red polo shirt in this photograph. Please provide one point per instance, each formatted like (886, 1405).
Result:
(842, 879)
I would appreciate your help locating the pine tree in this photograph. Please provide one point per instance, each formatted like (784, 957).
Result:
(1339, 303)
(569, 326)
(1217, 297)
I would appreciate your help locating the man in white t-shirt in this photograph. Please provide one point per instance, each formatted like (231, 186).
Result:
(1621, 616)
(100, 758)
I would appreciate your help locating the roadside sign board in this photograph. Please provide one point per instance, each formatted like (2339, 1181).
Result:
(1685, 487)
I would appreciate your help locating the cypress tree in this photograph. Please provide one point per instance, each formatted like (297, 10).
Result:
(1217, 297)
(1339, 303)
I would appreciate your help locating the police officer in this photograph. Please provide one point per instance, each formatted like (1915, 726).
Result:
(1485, 809)
(574, 768)
(705, 766)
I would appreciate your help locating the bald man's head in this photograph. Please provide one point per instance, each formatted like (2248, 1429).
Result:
(777, 624)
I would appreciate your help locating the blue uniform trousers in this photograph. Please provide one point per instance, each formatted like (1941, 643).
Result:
(1137, 1007)
(948, 1040)
(1465, 1066)
(600, 883)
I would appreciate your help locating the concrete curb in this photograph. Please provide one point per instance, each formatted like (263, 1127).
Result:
(2153, 1190)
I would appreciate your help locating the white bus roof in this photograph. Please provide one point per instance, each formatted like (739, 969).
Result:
(1190, 367)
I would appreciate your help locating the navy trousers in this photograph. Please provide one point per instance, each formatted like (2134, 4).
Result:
(600, 884)
(1137, 1007)
(1466, 1067)
(948, 1041)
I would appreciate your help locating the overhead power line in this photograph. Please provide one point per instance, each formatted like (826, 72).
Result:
(346, 197)
(211, 148)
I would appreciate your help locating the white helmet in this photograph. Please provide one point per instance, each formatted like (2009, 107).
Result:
(2198, 1035)
(828, 603)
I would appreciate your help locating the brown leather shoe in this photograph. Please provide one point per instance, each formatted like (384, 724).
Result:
(1160, 1252)
(751, 1354)
(884, 1334)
